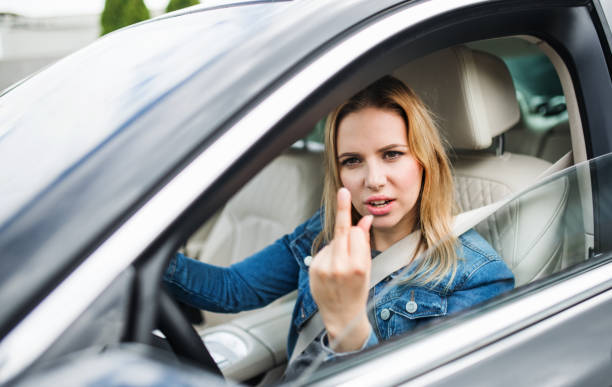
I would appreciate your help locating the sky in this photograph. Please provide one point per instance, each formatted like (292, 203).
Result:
(50, 8)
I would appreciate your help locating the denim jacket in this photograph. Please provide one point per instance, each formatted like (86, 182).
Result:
(281, 268)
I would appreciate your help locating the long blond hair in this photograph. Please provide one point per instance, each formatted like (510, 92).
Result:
(435, 203)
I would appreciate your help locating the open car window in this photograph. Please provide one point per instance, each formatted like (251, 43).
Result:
(288, 191)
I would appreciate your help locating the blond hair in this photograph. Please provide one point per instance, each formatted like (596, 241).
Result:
(435, 203)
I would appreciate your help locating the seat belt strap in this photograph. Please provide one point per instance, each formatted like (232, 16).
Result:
(394, 258)
(468, 219)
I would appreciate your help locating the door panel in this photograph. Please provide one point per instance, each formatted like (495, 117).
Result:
(572, 348)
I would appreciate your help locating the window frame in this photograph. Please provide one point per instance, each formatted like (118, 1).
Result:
(580, 284)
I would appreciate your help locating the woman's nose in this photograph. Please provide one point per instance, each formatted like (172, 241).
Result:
(375, 178)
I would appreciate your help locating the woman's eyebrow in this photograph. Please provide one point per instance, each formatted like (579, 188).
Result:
(345, 154)
(391, 146)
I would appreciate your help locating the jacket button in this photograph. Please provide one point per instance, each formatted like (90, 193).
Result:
(307, 261)
(411, 306)
(385, 314)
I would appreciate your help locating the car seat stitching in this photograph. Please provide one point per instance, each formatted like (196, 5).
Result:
(551, 220)
(547, 262)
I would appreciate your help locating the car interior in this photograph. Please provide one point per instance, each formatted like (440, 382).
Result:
(502, 133)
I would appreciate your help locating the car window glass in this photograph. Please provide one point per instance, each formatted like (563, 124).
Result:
(545, 255)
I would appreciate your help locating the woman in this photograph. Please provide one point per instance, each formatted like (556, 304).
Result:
(386, 172)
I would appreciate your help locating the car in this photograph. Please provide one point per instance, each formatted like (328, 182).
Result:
(200, 131)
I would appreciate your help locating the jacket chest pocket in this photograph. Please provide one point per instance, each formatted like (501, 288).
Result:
(408, 307)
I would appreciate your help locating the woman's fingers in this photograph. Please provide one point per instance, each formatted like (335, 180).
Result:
(343, 213)
(343, 222)
(365, 223)
(359, 245)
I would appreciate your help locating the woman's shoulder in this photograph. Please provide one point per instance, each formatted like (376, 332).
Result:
(478, 262)
(315, 223)
(474, 246)
(308, 230)
(301, 239)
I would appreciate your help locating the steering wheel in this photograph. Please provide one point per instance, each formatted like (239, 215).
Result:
(182, 337)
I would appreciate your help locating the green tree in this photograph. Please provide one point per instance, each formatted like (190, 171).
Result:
(121, 13)
(173, 5)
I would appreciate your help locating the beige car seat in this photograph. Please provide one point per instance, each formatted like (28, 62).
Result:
(282, 196)
(473, 99)
(549, 144)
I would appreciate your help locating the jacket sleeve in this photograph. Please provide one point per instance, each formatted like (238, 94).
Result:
(249, 284)
(319, 350)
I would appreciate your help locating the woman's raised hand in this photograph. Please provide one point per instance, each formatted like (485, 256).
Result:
(340, 278)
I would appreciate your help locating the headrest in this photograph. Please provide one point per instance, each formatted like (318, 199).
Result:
(470, 93)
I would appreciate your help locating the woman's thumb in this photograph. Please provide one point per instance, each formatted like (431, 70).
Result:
(365, 223)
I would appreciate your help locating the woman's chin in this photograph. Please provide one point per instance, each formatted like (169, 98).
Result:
(384, 223)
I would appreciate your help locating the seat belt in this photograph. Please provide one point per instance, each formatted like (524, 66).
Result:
(394, 258)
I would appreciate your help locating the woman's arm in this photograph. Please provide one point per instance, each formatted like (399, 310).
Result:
(249, 284)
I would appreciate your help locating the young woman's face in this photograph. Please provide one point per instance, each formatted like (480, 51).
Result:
(376, 166)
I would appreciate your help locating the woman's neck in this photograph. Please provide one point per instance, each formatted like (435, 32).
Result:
(383, 238)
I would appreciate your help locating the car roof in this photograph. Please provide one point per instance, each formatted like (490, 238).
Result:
(64, 113)
(87, 140)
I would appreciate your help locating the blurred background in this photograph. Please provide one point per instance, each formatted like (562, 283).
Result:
(36, 33)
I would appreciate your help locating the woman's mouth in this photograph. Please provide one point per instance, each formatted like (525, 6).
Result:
(380, 206)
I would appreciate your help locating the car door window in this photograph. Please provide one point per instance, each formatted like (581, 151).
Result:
(554, 276)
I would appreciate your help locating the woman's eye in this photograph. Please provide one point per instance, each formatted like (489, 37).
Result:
(350, 161)
(390, 155)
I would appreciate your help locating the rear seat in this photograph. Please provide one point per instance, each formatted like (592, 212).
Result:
(549, 144)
